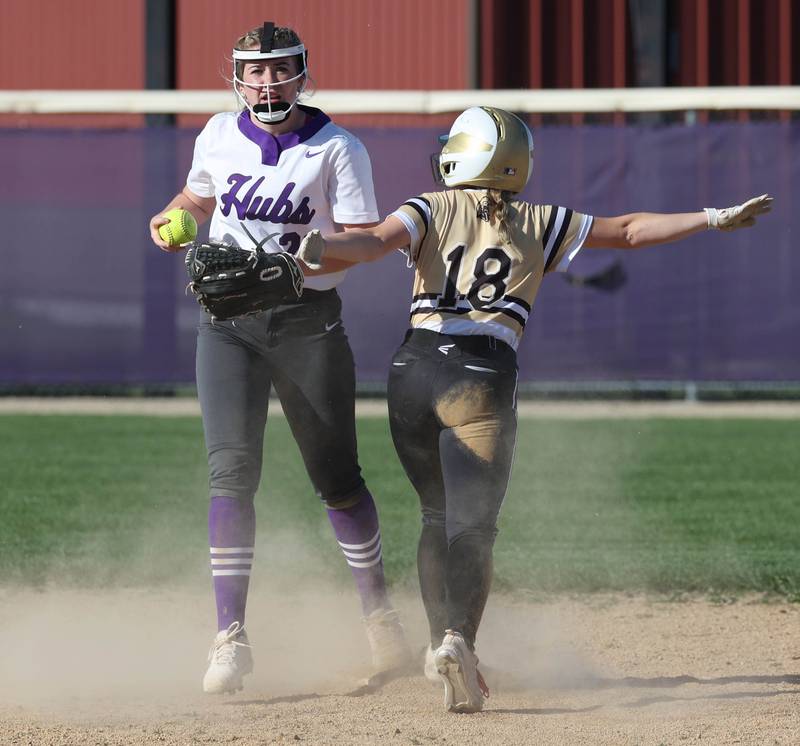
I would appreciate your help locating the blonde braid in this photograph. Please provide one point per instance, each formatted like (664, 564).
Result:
(497, 202)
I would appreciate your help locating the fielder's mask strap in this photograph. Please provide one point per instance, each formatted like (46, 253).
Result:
(267, 51)
(267, 32)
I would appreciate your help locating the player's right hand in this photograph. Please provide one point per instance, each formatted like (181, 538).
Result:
(155, 223)
(739, 216)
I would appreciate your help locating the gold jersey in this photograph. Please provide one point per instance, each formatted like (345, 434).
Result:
(468, 280)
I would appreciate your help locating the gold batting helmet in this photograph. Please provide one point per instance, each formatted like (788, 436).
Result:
(486, 147)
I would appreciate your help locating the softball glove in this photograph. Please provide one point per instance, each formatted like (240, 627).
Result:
(229, 282)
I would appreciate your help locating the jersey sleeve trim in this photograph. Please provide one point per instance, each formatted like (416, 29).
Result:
(422, 206)
(415, 214)
(557, 228)
(549, 228)
(411, 227)
(577, 243)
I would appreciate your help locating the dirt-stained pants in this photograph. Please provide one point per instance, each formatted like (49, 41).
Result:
(452, 409)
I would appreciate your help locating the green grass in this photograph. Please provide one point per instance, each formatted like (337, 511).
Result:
(674, 506)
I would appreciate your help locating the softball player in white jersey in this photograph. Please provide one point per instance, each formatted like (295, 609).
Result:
(271, 173)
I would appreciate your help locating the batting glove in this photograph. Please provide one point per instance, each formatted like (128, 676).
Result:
(738, 216)
(312, 247)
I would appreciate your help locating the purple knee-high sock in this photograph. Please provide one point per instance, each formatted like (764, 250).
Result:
(231, 538)
(359, 537)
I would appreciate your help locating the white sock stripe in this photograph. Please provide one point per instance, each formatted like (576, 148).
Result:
(230, 572)
(366, 544)
(365, 564)
(231, 561)
(232, 550)
(362, 555)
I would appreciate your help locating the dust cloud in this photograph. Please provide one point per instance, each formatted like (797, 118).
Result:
(124, 666)
(74, 646)
(66, 643)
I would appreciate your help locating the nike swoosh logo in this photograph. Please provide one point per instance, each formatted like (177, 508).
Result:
(328, 327)
(309, 154)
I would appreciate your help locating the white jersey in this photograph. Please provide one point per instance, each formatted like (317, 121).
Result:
(282, 186)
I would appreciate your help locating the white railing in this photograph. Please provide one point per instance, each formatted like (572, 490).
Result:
(413, 102)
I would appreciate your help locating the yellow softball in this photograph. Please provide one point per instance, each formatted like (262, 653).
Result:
(181, 229)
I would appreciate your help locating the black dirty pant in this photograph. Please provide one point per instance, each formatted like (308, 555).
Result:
(452, 409)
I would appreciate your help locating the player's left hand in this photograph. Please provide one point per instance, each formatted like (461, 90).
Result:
(230, 282)
(739, 216)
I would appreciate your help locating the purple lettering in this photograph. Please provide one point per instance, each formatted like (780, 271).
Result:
(252, 207)
(252, 210)
(263, 213)
(230, 198)
(283, 206)
(302, 214)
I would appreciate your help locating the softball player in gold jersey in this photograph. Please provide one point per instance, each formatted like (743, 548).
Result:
(479, 258)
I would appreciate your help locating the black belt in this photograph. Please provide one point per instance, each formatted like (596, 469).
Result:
(472, 344)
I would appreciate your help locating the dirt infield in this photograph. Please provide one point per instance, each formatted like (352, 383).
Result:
(124, 667)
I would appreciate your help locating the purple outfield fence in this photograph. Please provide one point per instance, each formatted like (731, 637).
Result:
(86, 299)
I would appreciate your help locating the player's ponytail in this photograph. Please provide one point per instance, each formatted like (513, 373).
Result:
(497, 203)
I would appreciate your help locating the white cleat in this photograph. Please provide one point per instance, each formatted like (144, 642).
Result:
(464, 687)
(229, 661)
(431, 673)
(387, 640)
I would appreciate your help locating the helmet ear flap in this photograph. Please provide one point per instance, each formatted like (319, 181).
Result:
(436, 169)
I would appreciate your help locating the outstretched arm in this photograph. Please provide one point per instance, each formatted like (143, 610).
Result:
(641, 229)
(337, 265)
(364, 245)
